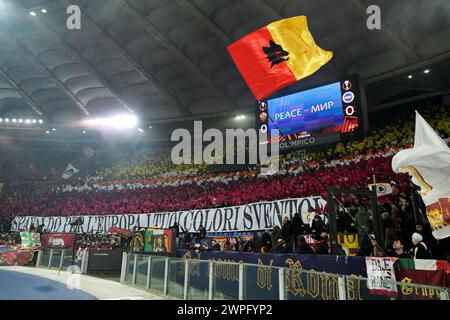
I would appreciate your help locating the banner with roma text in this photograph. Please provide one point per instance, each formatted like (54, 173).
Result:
(249, 217)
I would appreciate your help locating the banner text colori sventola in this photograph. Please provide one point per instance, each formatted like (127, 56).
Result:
(250, 217)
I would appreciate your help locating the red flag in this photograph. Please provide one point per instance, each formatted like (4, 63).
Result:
(278, 55)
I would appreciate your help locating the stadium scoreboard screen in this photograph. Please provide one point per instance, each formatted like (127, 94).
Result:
(315, 116)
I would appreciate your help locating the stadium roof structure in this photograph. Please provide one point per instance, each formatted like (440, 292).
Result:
(167, 60)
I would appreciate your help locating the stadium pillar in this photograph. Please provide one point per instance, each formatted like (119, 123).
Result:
(39, 258)
(124, 267)
(376, 218)
(134, 270)
(332, 223)
(241, 281)
(62, 259)
(86, 261)
(186, 279)
(149, 271)
(211, 280)
(166, 275)
(342, 289)
(50, 259)
(281, 284)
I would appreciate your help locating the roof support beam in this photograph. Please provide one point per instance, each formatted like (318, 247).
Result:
(410, 68)
(206, 116)
(25, 95)
(150, 28)
(361, 10)
(51, 75)
(90, 23)
(199, 15)
(77, 58)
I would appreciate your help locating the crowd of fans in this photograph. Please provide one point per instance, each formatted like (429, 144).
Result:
(144, 182)
(415, 240)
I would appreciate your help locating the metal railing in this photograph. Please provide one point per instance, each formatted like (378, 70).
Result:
(192, 279)
(60, 259)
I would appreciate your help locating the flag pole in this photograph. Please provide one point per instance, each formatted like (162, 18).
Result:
(331, 193)
(375, 184)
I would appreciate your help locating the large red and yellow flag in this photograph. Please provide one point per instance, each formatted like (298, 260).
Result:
(278, 55)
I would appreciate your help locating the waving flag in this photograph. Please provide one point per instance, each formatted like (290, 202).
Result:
(70, 171)
(278, 55)
(428, 163)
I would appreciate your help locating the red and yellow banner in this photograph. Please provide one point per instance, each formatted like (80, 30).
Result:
(278, 55)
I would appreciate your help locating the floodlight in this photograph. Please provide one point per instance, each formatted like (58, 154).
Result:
(125, 121)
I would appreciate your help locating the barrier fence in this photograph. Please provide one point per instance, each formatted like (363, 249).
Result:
(89, 261)
(192, 279)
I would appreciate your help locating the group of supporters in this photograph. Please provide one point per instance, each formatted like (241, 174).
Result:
(295, 236)
(145, 182)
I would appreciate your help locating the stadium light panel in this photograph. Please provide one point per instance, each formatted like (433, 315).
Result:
(44, 11)
(14, 120)
(125, 121)
(141, 130)
(41, 121)
(53, 129)
(20, 120)
(6, 120)
(426, 71)
(33, 13)
(1, 119)
(84, 131)
(410, 76)
(47, 132)
(28, 121)
(34, 121)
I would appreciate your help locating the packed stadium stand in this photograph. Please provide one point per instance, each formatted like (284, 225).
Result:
(89, 182)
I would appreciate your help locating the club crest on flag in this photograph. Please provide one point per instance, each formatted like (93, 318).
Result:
(275, 54)
(383, 189)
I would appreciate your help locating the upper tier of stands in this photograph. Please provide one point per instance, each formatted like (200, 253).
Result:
(151, 183)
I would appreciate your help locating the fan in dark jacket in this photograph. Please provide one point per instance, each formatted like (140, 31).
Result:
(276, 234)
(256, 242)
(266, 239)
(304, 247)
(317, 226)
(297, 226)
(286, 234)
